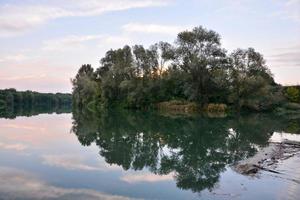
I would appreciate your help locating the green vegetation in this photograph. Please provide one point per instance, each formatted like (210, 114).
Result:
(293, 93)
(178, 106)
(14, 103)
(195, 70)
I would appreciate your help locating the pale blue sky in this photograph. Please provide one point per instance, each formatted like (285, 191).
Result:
(44, 42)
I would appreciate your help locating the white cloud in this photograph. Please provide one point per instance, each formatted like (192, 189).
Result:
(15, 57)
(16, 147)
(146, 177)
(16, 19)
(70, 162)
(75, 162)
(153, 28)
(285, 57)
(17, 184)
(23, 127)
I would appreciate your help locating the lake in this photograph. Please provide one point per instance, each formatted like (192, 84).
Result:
(140, 155)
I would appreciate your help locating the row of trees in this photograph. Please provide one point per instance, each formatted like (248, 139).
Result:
(10, 99)
(195, 68)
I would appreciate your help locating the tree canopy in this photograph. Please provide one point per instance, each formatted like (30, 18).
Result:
(195, 68)
(14, 103)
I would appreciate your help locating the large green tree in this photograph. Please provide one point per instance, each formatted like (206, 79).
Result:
(250, 78)
(199, 54)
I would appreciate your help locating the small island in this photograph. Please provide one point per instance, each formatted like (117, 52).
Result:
(192, 75)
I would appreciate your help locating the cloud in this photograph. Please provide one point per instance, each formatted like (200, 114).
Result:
(15, 57)
(23, 127)
(70, 162)
(285, 57)
(17, 19)
(153, 28)
(146, 177)
(17, 184)
(74, 162)
(16, 147)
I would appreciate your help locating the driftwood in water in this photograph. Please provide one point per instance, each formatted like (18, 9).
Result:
(267, 158)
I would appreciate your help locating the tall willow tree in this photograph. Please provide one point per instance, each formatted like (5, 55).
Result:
(85, 88)
(250, 78)
(199, 54)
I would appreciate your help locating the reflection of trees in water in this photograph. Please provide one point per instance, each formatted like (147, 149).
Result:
(23, 110)
(196, 149)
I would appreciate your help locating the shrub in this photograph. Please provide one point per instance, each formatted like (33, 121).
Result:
(213, 108)
(293, 94)
(179, 106)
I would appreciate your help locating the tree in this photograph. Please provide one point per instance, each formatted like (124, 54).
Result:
(115, 72)
(293, 94)
(167, 53)
(146, 61)
(85, 88)
(250, 78)
(196, 68)
(199, 54)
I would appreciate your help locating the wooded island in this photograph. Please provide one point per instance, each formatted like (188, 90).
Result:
(194, 73)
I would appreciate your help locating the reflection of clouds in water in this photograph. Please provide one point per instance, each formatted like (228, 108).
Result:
(37, 131)
(146, 177)
(291, 175)
(75, 162)
(293, 191)
(16, 184)
(23, 127)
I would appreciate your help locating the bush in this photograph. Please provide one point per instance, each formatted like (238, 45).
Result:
(293, 94)
(216, 108)
(178, 106)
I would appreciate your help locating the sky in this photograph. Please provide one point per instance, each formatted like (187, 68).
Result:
(44, 42)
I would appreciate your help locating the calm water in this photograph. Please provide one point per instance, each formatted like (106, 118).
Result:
(139, 155)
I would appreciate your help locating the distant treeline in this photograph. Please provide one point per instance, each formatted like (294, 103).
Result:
(194, 69)
(14, 103)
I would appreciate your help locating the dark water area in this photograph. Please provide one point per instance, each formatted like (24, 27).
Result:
(117, 154)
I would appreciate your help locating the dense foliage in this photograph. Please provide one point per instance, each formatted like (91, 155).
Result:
(195, 68)
(293, 93)
(12, 101)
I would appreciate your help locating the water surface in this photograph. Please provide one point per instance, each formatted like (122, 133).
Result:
(139, 155)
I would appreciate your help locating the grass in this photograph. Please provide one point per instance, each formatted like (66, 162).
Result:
(178, 106)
